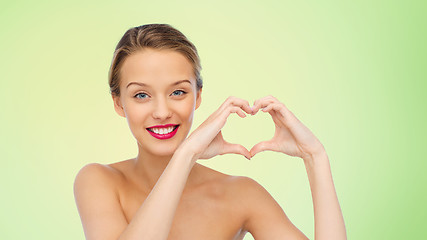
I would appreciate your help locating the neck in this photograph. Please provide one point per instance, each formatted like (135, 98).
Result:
(149, 167)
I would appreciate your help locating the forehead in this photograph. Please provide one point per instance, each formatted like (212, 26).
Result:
(156, 66)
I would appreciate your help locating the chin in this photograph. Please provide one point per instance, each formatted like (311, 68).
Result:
(161, 149)
(164, 152)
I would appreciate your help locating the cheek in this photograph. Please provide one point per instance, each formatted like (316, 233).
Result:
(187, 109)
(135, 113)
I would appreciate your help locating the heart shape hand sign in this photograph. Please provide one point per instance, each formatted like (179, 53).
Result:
(291, 137)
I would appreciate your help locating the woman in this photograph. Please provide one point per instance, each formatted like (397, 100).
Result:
(164, 193)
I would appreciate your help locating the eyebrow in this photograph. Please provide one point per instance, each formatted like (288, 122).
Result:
(173, 84)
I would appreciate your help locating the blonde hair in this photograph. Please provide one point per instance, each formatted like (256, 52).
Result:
(155, 36)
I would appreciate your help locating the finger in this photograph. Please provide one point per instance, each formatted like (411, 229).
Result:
(262, 103)
(266, 106)
(269, 107)
(232, 109)
(284, 117)
(234, 101)
(279, 111)
(236, 149)
(277, 118)
(263, 146)
(218, 119)
(266, 98)
(276, 112)
(238, 111)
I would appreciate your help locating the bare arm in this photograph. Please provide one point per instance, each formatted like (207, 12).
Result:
(293, 138)
(328, 219)
(153, 220)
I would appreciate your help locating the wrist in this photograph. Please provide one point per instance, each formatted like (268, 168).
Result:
(185, 153)
(318, 158)
(318, 168)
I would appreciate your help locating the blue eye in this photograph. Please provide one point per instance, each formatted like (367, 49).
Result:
(141, 95)
(178, 93)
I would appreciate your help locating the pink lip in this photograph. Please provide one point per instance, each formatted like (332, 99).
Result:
(163, 126)
(164, 136)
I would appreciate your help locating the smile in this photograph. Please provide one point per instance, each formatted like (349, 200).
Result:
(163, 131)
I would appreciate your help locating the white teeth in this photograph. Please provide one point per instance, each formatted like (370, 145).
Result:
(162, 130)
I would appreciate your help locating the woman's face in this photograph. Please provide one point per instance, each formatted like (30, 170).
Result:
(158, 96)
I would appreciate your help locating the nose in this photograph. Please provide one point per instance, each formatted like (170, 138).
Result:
(161, 110)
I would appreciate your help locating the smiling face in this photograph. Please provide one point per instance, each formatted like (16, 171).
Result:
(158, 96)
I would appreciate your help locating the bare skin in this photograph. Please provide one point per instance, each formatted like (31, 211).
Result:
(211, 196)
(164, 194)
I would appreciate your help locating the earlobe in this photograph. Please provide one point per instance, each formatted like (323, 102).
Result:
(118, 105)
(198, 98)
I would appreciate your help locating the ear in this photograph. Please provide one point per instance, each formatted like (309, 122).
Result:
(118, 105)
(199, 98)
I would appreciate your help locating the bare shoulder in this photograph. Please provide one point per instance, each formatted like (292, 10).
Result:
(246, 186)
(107, 173)
(95, 173)
(250, 195)
(263, 217)
(240, 189)
(94, 168)
(95, 192)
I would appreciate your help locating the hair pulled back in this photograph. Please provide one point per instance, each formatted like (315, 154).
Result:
(154, 36)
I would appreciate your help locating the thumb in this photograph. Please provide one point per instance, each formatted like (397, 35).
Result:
(236, 149)
(262, 146)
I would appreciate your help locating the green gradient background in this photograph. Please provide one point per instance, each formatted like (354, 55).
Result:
(353, 72)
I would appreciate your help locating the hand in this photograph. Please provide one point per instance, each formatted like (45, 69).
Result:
(291, 136)
(206, 141)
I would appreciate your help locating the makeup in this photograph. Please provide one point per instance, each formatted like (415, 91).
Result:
(163, 131)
